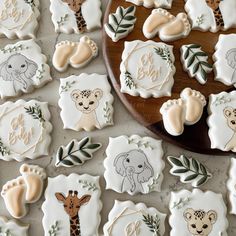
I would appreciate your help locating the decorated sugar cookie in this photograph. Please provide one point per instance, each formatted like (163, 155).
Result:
(22, 68)
(197, 213)
(76, 152)
(86, 102)
(211, 15)
(126, 218)
(134, 165)
(147, 69)
(19, 18)
(224, 57)
(152, 3)
(231, 185)
(168, 27)
(76, 16)
(187, 110)
(121, 23)
(12, 227)
(72, 205)
(76, 54)
(26, 189)
(24, 130)
(221, 121)
(189, 170)
(195, 62)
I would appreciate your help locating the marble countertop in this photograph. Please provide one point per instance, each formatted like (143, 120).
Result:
(124, 124)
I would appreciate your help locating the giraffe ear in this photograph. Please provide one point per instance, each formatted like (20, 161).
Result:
(84, 199)
(60, 197)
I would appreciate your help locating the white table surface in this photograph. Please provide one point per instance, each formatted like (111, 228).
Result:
(124, 124)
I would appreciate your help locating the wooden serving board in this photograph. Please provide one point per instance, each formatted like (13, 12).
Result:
(146, 111)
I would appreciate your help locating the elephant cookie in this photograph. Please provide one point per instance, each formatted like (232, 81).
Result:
(225, 59)
(69, 202)
(24, 190)
(12, 227)
(231, 186)
(127, 218)
(197, 213)
(76, 16)
(147, 69)
(152, 3)
(24, 130)
(19, 18)
(86, 102)
(23, 68)
(222, 120)
(211, 15)
(76, 54)
(134, 165)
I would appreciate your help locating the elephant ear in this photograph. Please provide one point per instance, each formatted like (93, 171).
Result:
(32, 69)
(4, 73)
(146, 174)
(118, 163)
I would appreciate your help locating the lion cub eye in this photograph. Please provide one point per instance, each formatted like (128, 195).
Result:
(127, 160)
(193, 226)
(9, 66)
(80, 103)
(205, 226)
(91, 103)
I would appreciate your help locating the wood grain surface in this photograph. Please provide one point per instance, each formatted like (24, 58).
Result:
(146, 111)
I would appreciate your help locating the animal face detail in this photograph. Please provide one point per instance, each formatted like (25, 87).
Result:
(200, 223)
(213, 4)
(74, 5)
(230, 115)
(86, 101)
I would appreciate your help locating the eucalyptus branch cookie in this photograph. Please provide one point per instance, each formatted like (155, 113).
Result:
(23, 68)
(127, 218)
(76, 16)
(19, 18)
(152, 3)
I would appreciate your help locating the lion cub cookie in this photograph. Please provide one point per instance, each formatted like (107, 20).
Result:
(134, 165)
(23, 68)
(76, 16)
(24, 130)
(24, 190)
(127, 218)
(152, 3)
(147, 69)
(86, 102)
(197, 213)
(19, 18)
(12, 227)
(222, 121)
(231, 186)
(76, 54)
(211, 15)
(72, 205)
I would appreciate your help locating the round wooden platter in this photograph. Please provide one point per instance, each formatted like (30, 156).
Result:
(146, 111)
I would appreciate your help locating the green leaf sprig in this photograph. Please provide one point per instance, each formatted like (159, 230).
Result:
(165, 54)
(36, 112)
(129, 82)
(153, 223)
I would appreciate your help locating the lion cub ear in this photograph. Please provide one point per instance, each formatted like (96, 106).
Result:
(228, 111)
(188, 214)
(212, 215)
(98, 93)
(75, 94)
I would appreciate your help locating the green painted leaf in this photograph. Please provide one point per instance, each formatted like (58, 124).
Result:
(201, 181)
(130, 9)
(191, 177)
(72, 144)
(195, 165)
(186, 54)
(86, 154)
(83, 142)
(176, 161)
(60, 153)
(191, 60)
(126, 26)
(129, 18)
(93, 146)
(196, 67)
(111, 28)
(114, 19)
(194, 46)
(180, 171)
(204, 74)
(76, 159)
(121, 31)
(121, 11)
(67, 162)
(206, 64)
(186, 161)
(201, 54)
(203, 169)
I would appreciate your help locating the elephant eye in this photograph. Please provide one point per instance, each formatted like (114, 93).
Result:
(22, 66)
(91, 103)
(127, 160)
(9, 66)
(193, 226)
(80, 103)
(205, 226)
(140, 166)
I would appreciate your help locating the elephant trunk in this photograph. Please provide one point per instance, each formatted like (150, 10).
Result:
(130, 176)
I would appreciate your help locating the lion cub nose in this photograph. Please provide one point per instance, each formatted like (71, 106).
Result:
(199, 231)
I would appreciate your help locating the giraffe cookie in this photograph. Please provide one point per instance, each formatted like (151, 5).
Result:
(23, 68)
(127, 218)
(152, 3)
(19, 18)
(211, 15)
(73, 208)
(74, 16)
(76, 54)
(86, 102)
(231, 186)
(26, 189)
(134, 165)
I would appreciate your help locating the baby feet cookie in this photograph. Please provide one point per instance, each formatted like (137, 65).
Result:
(76, 54)
(222, 120)
(24, 130)
(19, 18)
(12, 227)
(195, 62)
(23, 68)
(152, 3)
(23, 190)
(76, 152)
(211, 15)
(187, 110)
(231, 186)
(134, 165)
(127, 218)
(147, 69)
(224, 57)
(197, 213)
(121, 23)
(76, 16)
(67, 208)
(86, 102)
